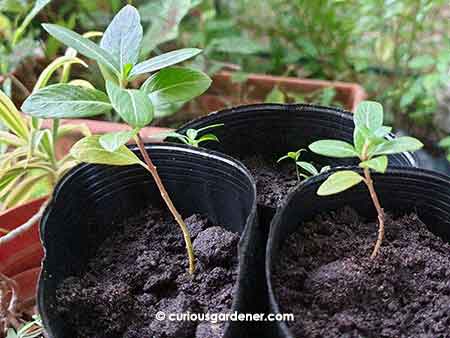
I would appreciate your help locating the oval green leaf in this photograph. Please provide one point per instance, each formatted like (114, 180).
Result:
(112, 141)
(90, 150)
(398, 145)
(338, 182)
(369, 114)
(66, 101)
(133, 105)
(333, 148)
(378, 164)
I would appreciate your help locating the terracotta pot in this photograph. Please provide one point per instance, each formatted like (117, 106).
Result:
(224, 93)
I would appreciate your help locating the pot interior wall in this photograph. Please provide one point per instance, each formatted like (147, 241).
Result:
(400, 191)
(92, 198)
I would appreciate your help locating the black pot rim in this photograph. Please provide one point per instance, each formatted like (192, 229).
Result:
(280, 107)
(395, 171)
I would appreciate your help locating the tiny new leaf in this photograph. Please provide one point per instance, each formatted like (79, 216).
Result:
(338, 182)
(90, 150)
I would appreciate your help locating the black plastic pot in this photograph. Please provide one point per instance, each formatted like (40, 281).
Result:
(271, 130)
(400, 191)
(92, 196)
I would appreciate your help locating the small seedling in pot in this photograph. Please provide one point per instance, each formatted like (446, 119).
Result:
(117, 56)
(307, 167)
(193, 137)
(371, 147)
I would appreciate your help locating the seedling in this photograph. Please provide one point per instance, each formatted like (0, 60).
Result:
(371, 147)
(445, 144)
(309, 168)
(193, 137)
(117, 56)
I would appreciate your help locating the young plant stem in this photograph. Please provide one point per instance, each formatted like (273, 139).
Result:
(376, 202)
(153, 171)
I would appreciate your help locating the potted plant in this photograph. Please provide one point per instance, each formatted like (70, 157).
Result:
(164, 164)
(409, 206)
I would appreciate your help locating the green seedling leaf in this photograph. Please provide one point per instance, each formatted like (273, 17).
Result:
(82, 83)
(333, 148)
(123, 37)
(338, 182)
(207, 137)
(11, 118)
(164, 60)
(378, 164)
(398, 145)
(84, 46)
(113, 141)
(192, 134)
(133, 105)
(90, 150)
(175, 84)
(308, 167)
(445, 142)
(66, 101)
(369, 114)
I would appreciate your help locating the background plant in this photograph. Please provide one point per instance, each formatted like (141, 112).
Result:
(371, 147)
(309, 169)
(117, 56)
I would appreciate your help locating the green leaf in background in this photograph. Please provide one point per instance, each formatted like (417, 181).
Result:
(164, 60)
(338, 182)
(275, 96)
(113, 141)
(90, 150)
(53, 66)
(175, 84)
(165, 16)
(236, 45)
(445, 142)
(38, 6)
(398, 145)
(66, 101)
(11, 118)
(84, 46)
(422, 61)
(378, 164)
(133, 105)
(333, 148)
(22, 191)
(123, 37)
(369, 114)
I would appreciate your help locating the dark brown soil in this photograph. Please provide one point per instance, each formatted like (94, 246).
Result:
(142, 269)
(334, 289)
(273, 180)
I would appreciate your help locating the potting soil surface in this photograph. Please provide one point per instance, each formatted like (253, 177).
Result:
(328, 280)
(141, 269)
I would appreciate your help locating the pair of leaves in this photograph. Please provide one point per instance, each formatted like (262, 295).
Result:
(192, 135)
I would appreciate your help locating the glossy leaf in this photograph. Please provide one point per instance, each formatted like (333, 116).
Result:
(338, 182)
(133, 105)
(11, 118)
(113, 141)
(84, 46)
(333, 148)
(90, 150)
(66, 101)
(398, 145)
(164, 60)
(175, 84)
(123, 37)
(378, 164)
(369, 114)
